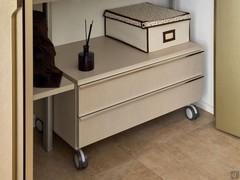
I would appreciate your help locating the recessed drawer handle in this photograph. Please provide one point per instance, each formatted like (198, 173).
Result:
(86, 116)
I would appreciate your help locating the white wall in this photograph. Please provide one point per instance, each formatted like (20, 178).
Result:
(68, 17)
(202, 32)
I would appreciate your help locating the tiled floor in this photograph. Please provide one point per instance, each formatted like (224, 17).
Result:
(168, 148)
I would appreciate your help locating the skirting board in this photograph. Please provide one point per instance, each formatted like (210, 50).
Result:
(205, 106)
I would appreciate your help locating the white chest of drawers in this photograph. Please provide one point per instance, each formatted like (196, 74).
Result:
(126, 88)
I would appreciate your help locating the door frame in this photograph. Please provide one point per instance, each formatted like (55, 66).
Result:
(28, 89)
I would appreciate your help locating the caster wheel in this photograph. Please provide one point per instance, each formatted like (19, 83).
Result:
(192, 112)
(80, 160)
(39, 125)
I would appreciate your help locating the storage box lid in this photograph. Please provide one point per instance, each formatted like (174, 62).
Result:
(146, 15)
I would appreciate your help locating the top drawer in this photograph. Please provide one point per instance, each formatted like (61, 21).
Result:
(109, 92)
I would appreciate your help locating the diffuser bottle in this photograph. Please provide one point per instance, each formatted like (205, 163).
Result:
(86, 59)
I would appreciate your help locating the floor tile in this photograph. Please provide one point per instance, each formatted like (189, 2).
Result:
(132, 170)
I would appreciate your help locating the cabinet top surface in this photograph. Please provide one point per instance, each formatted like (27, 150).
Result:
(113, 57)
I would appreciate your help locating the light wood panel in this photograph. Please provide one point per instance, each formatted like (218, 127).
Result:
(28, 94)
(19, 95)
(7, 163)
(227, 66)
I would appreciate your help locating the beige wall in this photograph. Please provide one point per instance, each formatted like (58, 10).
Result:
(7, 7)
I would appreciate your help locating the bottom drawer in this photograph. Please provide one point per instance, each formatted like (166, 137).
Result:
(111, 121)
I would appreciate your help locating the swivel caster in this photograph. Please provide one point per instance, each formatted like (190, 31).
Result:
(80, 160)
(39, 125)
(192, 112)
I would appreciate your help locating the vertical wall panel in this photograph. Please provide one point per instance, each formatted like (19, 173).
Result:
(227, 66)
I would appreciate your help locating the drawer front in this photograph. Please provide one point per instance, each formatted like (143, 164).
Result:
(106, 123)
(100, 95)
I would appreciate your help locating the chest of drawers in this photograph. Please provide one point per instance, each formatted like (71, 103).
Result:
(126, 88)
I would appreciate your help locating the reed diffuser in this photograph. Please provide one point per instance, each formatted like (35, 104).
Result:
(86, 58)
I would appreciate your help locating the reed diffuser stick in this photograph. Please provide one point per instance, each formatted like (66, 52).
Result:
(89, 34)
(86, 57)
(86, 30)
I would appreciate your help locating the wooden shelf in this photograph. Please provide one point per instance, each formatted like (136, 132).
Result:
(42, 1)
(41, 93)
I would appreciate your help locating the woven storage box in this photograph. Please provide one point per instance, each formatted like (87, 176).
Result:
(147, 27)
